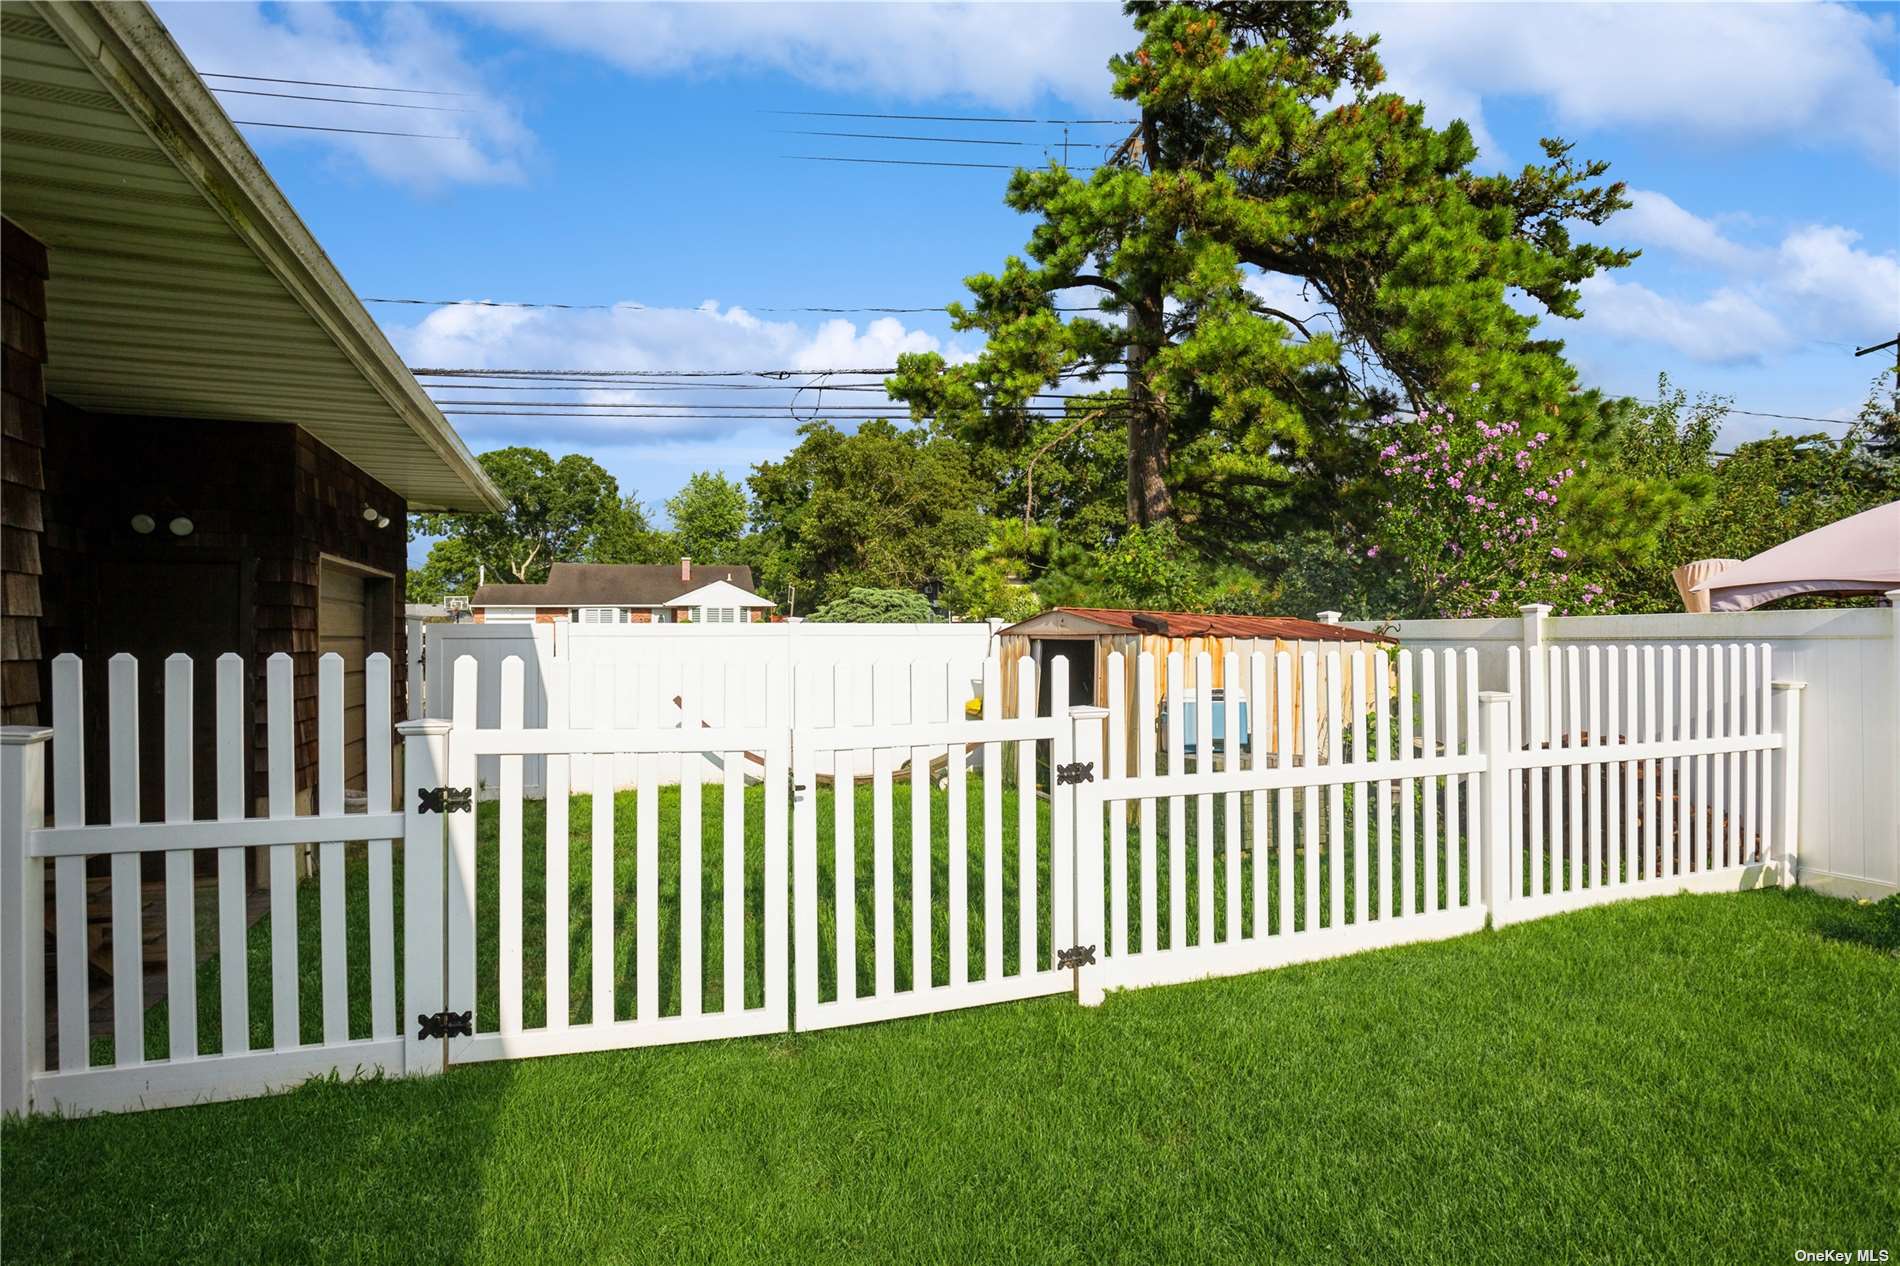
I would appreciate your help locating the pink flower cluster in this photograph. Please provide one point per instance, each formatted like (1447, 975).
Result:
(1473, 514)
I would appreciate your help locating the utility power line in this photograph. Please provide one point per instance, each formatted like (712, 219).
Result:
(356, 131)
(644, 307)
(319, 83)
(894, 136)
(949, 118)
(299, 96)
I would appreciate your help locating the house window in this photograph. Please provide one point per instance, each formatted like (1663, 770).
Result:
(508, 615)
(601, 615)
(715, 615)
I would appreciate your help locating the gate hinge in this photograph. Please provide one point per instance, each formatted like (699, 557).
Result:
(1080, 771)
(444, 799)
(446, 1024)
(1079, 956)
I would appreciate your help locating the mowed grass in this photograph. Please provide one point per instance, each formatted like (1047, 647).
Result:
(1694, 1078)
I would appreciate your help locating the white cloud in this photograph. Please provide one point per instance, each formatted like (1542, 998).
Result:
(630, 337)
(1005, 55)
(1725, 327)
(1811, 73)
(395, 45)
(1815, 283)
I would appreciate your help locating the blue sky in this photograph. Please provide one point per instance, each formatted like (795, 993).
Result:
(619, 154)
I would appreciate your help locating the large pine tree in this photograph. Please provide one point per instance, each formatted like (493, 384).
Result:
(1266, 161)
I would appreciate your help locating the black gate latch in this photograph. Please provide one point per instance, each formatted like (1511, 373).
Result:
(445, 799)
(446, 1024)
(1080, 771)
(1080, 956)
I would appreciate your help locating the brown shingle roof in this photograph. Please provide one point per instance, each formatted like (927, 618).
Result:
(612, 585)
(1187, 624)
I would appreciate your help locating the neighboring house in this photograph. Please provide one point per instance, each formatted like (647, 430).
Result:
(633, 593)
(208, 444)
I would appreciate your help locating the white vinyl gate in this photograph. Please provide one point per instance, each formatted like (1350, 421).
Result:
(1079, 848)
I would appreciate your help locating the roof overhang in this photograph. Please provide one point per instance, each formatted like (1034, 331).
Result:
(182, 282)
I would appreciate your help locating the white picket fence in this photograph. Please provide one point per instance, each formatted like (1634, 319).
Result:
(188, 1071)
(730, 906)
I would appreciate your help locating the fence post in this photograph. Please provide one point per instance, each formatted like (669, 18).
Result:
(1330, 617)
(22, 915)
(1085, 871)
(1788, 696)
(425, 762)
(1496, 830)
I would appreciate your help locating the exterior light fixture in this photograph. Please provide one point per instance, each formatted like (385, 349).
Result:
(369, 514)
(383, 522)
(180, 526)
(144, 524)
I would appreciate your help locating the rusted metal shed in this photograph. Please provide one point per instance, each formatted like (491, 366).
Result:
(1087, 636)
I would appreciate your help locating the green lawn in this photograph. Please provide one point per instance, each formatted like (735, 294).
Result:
(1698, 1078)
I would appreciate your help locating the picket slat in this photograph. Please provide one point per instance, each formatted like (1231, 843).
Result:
(1767, 818)
(1117, 767)
(1177, 824)
(281, 754)
(804, 873)
(1408, 792)
(732, 879)
(920, 859)
(1652, 770)
(508, 862)
(1204, 804)
(1449, 845)
(1382, 693)
(957, 826)
(994, 934)
(1028, 912)
(692, 906)
(1361, 896)
(1335, 794)
(1519, 817)
(1537, 736)
(1575, 809)
(883, 865)
(379, 770)
(646, 883)
(1474, 811)
(1309, 808)
(462, 877)
(844, 836)
(128, 966)
(1148, 742)
(1428, 801)
(1593, 776)
(558, 775)
(181, 949)
(601, 855)
(69, 873)
(1259, 722)
(1230, 759)
(234, 985)
(334, 946)
(1732, 804)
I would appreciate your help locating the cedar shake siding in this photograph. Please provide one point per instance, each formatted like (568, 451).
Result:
(268, 506)
(22, 471)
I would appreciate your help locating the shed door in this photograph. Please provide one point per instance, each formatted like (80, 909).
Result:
(343, 627)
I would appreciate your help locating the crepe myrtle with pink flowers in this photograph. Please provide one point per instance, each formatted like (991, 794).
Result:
(1473, 513)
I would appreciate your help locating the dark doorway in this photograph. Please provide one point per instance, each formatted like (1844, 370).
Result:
(1080, 652)
(150, 607)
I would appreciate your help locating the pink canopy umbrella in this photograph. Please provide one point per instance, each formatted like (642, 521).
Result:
(1857, 555)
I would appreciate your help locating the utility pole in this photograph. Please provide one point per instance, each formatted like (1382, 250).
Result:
(1893, 342)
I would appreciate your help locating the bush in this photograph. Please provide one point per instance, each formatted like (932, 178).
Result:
(875, 606)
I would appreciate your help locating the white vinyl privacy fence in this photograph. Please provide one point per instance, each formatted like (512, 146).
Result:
(945, 860)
